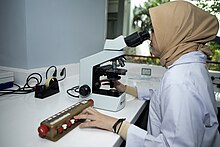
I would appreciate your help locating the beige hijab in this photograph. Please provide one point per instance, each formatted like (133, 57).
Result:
(180, 28)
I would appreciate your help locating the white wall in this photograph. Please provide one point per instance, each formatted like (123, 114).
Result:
(40, 33)
(13, 49)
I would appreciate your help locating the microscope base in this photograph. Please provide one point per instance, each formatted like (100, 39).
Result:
(109, 103)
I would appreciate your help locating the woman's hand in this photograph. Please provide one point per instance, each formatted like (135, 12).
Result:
(123, 88)
(119, 86)
(96, 119)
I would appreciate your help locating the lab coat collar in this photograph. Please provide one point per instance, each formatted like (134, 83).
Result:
(192, 57)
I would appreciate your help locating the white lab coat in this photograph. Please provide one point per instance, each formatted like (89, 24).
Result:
(183, 111)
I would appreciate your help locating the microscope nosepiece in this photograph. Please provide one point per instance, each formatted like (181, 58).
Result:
(136, 38)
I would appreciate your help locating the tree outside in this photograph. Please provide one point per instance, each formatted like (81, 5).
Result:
(141, 21)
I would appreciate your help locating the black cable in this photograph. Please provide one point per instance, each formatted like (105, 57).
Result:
(62, 73)
(17, 85)
(35, 78)
(26, 88)
(75, 89)
(55, 71)
(17, 91)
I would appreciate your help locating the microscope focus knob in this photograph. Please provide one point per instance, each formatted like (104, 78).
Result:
(84, 90)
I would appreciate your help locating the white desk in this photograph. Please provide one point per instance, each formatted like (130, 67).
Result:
(20, 116)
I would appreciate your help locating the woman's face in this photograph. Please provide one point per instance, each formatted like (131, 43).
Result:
(154, 46)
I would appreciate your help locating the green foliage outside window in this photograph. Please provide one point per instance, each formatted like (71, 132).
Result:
(141, 21)
(215, 48)
(213, 8)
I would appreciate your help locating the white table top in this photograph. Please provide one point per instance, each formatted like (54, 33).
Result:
(21, 115)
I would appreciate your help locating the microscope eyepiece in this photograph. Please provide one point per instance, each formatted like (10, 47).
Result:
(136, 38)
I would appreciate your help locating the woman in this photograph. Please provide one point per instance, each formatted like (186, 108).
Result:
(183, 111)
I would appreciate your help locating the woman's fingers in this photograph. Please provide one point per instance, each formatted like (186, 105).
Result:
(92, 110)
(88, 113)
(89, 110)
(95, 119)
(88, 124)
(85, 116)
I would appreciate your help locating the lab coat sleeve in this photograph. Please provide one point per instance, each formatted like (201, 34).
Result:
(146, 93)
(180, 127)
(138, 137)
